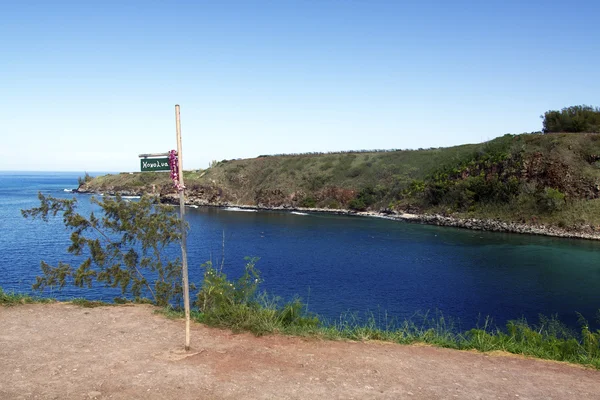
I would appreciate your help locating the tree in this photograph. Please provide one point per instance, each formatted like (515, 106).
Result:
(124, 247)
(82, 181)
(572, 119)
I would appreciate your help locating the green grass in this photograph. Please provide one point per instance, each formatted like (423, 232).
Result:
(13, 299)
(89, 303)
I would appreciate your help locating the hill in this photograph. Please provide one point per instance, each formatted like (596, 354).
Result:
(551, 179)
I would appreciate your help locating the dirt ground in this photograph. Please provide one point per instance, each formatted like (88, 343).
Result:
(63, 351)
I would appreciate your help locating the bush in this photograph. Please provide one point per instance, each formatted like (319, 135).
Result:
(333, 205)
(572, 119)
(82, 181)
(239, 306)
(366, 197)
(551, 200)
(218, 292)
(357, 205)
(308, 202)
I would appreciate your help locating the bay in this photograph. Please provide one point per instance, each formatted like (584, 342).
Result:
(338, 264)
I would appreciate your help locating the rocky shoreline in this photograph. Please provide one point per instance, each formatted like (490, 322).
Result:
(426, 219)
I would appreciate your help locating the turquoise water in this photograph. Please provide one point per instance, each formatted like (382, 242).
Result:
(339, 264)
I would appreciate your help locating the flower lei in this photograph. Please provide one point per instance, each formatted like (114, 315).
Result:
(174, 165)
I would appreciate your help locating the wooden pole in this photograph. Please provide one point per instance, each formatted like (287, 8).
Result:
(154, 155)
(184, 265)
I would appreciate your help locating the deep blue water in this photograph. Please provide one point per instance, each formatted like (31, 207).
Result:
(337, 263)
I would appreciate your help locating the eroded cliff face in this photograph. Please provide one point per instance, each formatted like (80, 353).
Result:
(550, 170)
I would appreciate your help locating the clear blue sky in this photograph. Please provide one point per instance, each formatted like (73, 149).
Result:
(90, 85)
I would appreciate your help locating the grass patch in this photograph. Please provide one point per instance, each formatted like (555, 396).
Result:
(89, 303)
(13, 299)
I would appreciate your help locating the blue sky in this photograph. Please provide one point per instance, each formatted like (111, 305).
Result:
(90, 85)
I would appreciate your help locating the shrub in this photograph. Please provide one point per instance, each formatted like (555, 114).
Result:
(366, 197)
(82, 181)
(314, 182)
(572, 119)
(308, 202)
(551, 200)
(357, 205)
(333, 204)
(218, 292)
(239, 306)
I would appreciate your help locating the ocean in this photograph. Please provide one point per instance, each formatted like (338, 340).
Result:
(337, 264)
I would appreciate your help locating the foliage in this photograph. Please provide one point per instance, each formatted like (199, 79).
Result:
(82, 181)
(308, 202)
(85, 303)
(123, 248)
(489, 175)
(218, 292)
(572, 119)
(12, 299)
(551, 200)
(314, 182)
(238, 304)
(366, 197)
(357, 205)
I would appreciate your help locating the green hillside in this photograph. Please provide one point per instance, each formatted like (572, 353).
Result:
(530, 178)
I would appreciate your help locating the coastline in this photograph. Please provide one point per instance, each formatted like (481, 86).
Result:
(426, 219)
(438, 220)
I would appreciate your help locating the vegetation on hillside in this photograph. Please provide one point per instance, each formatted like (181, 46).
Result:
(552, 179)
(525, 178)
(83, 180)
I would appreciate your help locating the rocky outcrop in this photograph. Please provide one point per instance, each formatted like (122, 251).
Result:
(586, 232)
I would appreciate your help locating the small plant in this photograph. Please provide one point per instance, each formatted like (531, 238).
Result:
(239, 305)
(217, 292)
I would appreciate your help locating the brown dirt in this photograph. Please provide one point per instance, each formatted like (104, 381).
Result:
(63, 351)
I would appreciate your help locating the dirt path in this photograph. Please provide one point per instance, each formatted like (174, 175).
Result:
(62, 351)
